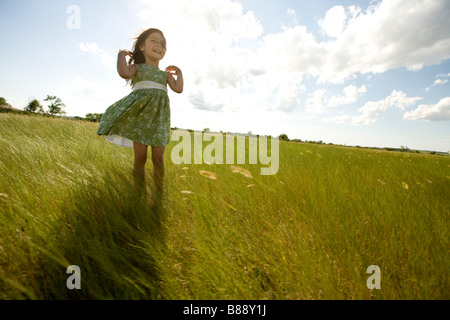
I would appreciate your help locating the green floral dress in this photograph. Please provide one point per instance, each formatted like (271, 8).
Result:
(142, 116)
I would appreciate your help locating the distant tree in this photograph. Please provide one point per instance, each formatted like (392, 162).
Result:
(94, 117)
(34, 106)
(55, 106)
(3, 102)
(284, 137)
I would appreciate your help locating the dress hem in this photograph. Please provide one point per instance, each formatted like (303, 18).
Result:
(118, 140)
(125, 142)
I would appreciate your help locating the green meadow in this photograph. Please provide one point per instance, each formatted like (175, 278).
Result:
(67, 197)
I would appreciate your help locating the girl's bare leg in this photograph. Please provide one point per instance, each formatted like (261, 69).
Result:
(158, 167)
(140, 158)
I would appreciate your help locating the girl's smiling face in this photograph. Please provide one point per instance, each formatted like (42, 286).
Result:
(154, 48)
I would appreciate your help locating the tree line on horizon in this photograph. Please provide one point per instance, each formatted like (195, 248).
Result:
(54, 108)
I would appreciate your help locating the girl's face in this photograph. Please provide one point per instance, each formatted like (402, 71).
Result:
(154, 48)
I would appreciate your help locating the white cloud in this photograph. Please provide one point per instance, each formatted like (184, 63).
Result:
(343, 119)
(82, 96)
(389, 35)
(351, 95)
(222, 48)
(197, 98)
(203, 40)
(90, 47)
(210, 97)
(292, 15)
(374, 110)
(318, 101)
(440, 82)
(287, 94)
(432, 112)
(334, 22)
(292, 50)
(395, 33)
(106, 59)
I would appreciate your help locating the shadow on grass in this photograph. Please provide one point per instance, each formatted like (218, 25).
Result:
(116, 236)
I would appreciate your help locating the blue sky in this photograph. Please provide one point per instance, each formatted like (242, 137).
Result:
(368, 73)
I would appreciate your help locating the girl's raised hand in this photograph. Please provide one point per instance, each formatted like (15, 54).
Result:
(174, 70)
(176, 84)
(126, 53)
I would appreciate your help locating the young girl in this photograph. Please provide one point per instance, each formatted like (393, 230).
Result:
(142, 118)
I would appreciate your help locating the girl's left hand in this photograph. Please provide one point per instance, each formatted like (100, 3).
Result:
(175, 79)
(173, 70)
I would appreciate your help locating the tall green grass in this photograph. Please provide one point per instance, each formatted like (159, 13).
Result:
(309, 232)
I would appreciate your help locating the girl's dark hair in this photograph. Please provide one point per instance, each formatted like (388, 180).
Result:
(137, 55)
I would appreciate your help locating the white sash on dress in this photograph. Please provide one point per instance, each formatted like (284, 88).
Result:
(149, 85)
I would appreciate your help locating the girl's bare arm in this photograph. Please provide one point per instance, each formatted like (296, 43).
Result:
(176, 84)
(125, 71)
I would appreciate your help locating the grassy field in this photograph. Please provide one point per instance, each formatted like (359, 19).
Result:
(308, 232)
